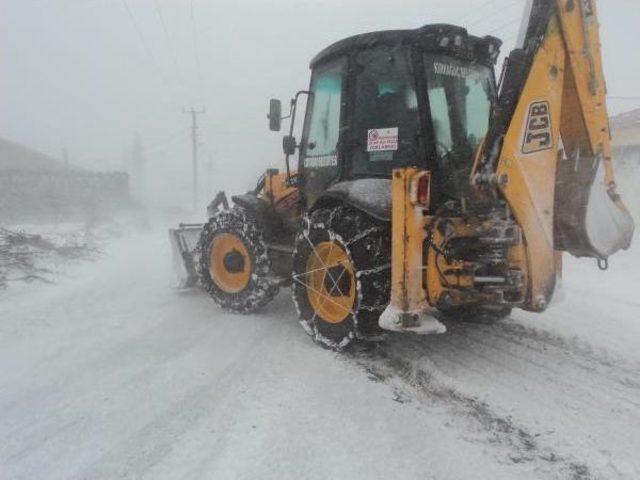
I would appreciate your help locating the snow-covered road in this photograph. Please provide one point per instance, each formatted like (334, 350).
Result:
(112, 374)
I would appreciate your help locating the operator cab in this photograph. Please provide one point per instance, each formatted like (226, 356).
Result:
(393, 99)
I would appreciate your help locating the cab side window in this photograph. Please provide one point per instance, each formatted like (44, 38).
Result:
(323, 126)
(319, 153)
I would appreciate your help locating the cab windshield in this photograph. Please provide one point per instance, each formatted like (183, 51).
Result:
(460, 97)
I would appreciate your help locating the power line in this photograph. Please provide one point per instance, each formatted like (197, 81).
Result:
(172, 52)
(195, 50)
(476, 21)
(136, 27)
(147, 49)
(167, 140)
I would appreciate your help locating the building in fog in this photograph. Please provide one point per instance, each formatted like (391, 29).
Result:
(16, 157)
(625, 133)
(36, 187)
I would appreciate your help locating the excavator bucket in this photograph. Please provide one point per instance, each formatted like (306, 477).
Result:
(591, 220)
(184, 240)
(609, 225)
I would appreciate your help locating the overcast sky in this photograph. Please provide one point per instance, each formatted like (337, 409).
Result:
(87, 74)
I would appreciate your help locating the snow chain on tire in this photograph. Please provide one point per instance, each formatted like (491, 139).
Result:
(259, 288)
(366, 243)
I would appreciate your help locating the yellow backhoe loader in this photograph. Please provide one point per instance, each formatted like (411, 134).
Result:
(425, 187)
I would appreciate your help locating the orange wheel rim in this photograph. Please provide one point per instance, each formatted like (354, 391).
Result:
(229, 263)
(330, 282)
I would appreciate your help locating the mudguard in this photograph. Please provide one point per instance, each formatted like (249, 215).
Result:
(370, 195)
(260, 209)
(252, 203)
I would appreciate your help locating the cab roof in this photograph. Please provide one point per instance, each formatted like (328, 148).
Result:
(436, 38)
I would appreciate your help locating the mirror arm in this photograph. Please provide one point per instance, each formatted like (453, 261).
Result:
(291, 105)
(292, 114)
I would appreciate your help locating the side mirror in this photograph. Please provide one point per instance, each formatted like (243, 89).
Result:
(275, 115)
(289, 144)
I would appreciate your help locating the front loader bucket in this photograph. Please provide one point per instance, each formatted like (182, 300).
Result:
(183, 245)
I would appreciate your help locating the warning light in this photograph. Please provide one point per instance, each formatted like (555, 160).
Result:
(421, 189)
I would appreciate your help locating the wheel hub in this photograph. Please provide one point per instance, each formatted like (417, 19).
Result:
(337, 280)
(229, 263)
(234, 262)
(330, 282)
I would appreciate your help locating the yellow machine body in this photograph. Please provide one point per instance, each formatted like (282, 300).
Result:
(281, 192)
(560, 116)
(505, 208)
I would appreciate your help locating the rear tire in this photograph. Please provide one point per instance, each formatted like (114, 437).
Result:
(233, 264)
(341, 275)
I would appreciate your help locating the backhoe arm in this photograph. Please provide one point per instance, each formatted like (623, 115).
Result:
(548, 150)
(542, 183)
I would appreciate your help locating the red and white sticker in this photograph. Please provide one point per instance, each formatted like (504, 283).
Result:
(382, 139)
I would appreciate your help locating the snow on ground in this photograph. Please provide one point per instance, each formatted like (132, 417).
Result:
(563, 387)
(27, 257)
(40, 253)
(112, 374)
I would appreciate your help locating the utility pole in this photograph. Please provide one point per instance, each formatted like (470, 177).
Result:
(137, 169)
(194, 148)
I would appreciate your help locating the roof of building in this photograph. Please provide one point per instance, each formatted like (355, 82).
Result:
(626, 120)
(14, 156)
(625, 129)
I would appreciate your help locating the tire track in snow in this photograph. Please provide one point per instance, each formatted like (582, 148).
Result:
(583, 400)
(411, 382)
(581, 418)
(582, 353)
(515, 355)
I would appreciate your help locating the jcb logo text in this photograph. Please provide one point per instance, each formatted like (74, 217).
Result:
(537, 134)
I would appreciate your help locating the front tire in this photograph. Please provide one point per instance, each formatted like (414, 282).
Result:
(341, 275)
(234, 265)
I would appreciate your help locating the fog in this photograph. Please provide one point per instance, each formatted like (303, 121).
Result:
(281, 343)
(85, 75)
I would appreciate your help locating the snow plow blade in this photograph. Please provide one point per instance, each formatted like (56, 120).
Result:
(184, 240)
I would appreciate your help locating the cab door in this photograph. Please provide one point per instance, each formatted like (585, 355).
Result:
(320, 157)
(386, 131)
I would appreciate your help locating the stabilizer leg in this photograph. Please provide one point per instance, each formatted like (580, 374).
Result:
(422, 323)
(408, 310)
